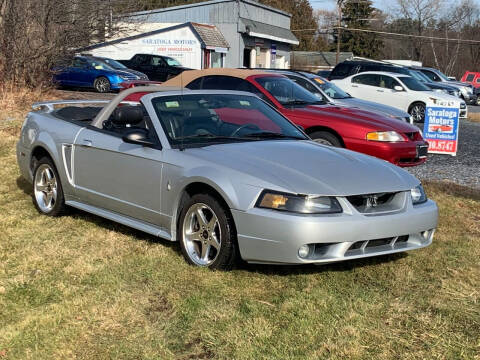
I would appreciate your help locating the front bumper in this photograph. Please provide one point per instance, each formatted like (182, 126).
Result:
(402, 154)
(268, 236)
(469, 98)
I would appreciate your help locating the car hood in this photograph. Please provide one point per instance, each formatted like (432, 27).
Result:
(305, 167)
(135, 72)
(365, 118)
(372, 106)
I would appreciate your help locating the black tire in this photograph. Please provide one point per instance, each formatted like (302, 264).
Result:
(58, 207)
(417, 111)
(326, 138)
(102, 84)
(226, 257)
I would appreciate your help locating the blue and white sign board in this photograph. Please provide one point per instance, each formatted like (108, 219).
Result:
(441, 126)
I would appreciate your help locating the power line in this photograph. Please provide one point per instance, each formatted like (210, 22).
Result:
(436, 38)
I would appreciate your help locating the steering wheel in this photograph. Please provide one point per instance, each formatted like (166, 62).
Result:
(252, 126)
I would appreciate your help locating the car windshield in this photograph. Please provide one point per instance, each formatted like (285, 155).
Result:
(172, 62)
(424, 77)
(416, 75)
(205, 119)
(100, 65)
(114, 64)
(442, 75)
(414, 84)
(330, 89)
(287, 92)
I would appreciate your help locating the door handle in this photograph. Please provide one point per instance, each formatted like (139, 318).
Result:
(354, 85)
(87, 142)
(380, 90)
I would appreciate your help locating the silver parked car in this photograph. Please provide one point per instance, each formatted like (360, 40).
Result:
(224, 174)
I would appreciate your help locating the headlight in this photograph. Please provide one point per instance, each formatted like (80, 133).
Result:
(441, 91)
(301, 204)
(123, 77)
(418, 195)
(388, 136)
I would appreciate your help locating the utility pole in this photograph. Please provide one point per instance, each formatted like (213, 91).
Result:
(339, 29)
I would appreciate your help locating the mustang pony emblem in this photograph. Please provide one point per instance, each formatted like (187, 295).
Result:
(372, 201)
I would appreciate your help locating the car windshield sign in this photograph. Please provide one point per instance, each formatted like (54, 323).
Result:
(332, 90)
(205, 119)
(287, 92)
(113, 63)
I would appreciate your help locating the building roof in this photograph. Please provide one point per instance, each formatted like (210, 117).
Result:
(188, 76)
(318, 58)
(208, 35)
(266, 31)
(206, 3)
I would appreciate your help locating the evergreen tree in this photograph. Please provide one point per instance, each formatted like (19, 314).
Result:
(356, 15)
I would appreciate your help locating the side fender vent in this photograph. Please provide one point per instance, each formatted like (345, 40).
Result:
(68, 161)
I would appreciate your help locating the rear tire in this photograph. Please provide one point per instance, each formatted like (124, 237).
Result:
(47, 188)
(417, 111)
(102, 84)
(207, 233)
(326, 138)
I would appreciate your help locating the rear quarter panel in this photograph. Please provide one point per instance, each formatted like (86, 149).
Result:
(44, 130)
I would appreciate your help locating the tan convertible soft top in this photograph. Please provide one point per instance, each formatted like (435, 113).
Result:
(188, 76)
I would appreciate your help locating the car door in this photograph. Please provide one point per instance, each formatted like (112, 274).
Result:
(141, 63)
(121, 177)
(160, 68)
(364, 86)
(389, 95)
(78, 73)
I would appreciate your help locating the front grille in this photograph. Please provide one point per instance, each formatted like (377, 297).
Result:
(394, 242)
(363, 203)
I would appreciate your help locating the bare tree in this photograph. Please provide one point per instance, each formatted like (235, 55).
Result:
(34, 34)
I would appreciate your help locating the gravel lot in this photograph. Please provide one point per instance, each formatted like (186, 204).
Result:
(463, 169)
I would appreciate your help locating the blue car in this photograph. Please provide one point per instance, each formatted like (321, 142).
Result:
(91, 72)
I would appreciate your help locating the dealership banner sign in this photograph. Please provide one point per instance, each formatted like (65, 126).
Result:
(441, 126)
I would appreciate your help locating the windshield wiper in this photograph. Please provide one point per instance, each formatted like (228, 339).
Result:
(296, 102)
(272, 135)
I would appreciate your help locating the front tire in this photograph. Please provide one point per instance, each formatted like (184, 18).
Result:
(102, 84)
(325, 138)
(207, 233)
(47, 189)
(417, 111)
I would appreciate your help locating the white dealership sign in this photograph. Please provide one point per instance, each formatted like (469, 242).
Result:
(179, 43)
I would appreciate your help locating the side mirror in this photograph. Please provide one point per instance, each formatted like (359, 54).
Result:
(453, 78)
(398, 88)
(138, 137)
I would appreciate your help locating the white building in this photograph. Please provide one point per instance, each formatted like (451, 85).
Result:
(228, 33)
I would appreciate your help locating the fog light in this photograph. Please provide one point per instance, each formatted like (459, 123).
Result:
(303, 251)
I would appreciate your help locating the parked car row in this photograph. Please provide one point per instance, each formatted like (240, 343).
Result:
(105, 75)
(230, 176)
(349, 127)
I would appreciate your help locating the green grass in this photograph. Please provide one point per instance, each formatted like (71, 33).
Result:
(80, 287)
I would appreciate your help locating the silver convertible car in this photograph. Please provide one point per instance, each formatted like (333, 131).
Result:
(224, 174)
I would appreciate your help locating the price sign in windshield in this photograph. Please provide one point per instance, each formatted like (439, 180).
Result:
(441, 127)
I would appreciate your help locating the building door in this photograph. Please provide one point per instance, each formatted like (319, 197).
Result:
(246, 58)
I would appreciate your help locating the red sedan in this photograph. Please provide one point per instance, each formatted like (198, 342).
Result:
(355, 129)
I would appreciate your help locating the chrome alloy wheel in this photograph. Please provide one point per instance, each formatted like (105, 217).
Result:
(323, 141)
(418, 113)
(201, 234)
(45, 188)
(102, 85)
